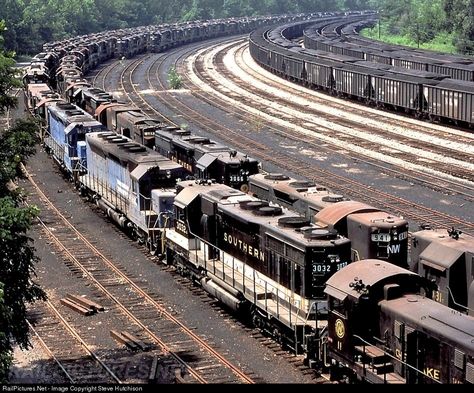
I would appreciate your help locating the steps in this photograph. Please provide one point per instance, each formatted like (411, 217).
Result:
(375, 359)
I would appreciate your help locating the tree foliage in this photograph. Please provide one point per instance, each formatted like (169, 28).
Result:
(460, 13)
(421, 21)
(17, 255)
(33, 22)
(7, 76)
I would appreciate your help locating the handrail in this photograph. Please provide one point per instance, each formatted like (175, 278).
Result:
(396, 359)
(456, 303)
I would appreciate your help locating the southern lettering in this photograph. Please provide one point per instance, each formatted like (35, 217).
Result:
(244, 247)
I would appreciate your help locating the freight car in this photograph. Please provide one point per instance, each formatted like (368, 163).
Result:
(349, 43)
(373, 233)
(425, 94)
(383, 329)
(256, 256)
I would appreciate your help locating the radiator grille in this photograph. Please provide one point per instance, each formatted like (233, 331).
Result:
(470, 373)
(459, 359)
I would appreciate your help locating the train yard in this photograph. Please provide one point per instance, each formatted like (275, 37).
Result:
(433, 171)
(77, 273)
(149, 325)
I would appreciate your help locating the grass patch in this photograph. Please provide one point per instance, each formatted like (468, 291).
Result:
(443, 42)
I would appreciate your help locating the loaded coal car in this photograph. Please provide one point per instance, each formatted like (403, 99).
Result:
(249, 253)
(400, 91)
(132, 184)
(65, 139)
(382, 328)
(451, 99)
(205, 158)
(446, 258)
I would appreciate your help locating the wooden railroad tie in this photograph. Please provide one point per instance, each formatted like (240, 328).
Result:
(83, 301)
(153, 369)
(77, 307)
(81, 304)
(178, 376)
(162, 370)
(131, 341)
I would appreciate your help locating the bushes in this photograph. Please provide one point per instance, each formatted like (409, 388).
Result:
(174, 79)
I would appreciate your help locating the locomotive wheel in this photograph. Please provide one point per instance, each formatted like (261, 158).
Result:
(257, 321)
(277, 336)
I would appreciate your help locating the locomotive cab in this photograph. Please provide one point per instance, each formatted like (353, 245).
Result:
(360, 337)
(445, 258)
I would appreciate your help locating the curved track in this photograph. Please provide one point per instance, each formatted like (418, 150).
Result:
(244, 108)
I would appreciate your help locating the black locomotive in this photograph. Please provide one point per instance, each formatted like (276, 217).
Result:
(384, 331)
(256, 254)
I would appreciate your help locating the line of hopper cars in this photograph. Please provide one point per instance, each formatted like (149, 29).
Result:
(425, 93)
(264, 253)
(341, 37)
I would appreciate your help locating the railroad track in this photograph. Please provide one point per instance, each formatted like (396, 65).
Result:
(399, 132)
(6, 119)
(150, 319)
(76, 359)
(295, 360)
(343, 133)
(236, 138)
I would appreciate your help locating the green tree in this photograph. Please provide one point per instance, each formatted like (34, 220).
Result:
(17, 261)
(17, 255)
(461, 14)
(7, 76)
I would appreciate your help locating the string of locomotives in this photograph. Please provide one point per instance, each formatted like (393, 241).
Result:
(324, 275)
(334, 59)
